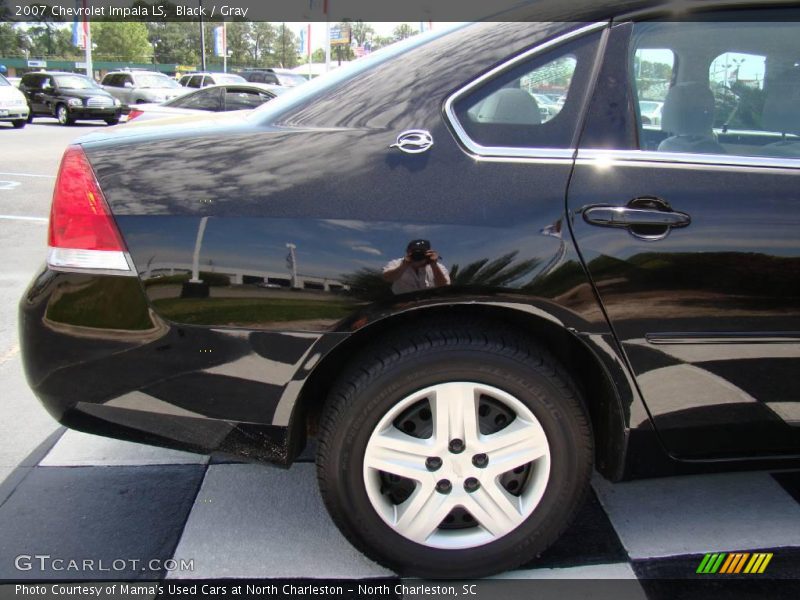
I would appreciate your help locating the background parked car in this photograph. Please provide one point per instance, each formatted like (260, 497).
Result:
(216, 98)
(139, 87)
(200, 80)
(69, 97)
(283, 77)
(13, 105)
(651, 112)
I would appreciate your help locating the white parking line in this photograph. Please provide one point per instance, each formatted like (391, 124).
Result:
(18, 218)
(30, 175)
(9, 354)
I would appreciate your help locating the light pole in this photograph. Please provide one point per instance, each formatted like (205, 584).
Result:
(202, 39)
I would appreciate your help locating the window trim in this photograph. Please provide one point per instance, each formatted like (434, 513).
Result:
(504, 151)
(606, 157)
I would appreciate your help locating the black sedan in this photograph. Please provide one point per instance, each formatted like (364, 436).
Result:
(213, 98)
(468, 303)
(68, 97)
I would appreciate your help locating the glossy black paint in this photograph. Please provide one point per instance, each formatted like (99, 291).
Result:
(708, 316)
(242, 364)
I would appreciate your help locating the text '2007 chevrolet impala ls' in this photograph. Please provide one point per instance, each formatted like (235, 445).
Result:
(468, 299)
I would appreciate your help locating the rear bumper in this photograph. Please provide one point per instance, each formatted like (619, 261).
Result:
(100, 361)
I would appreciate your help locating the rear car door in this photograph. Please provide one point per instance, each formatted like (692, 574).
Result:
(690, 229)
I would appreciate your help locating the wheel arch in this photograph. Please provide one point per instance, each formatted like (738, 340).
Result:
(596, 385)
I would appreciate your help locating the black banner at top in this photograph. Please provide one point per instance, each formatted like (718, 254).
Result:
(322, 10)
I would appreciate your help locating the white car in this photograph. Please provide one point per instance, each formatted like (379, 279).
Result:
(201, 80)
(651, 112)
(13, 105)
(214, 98)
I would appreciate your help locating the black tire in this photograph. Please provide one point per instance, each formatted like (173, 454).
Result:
(456, 351)
(113, 121)
(19, 124)
(30, 116)
(63, 116)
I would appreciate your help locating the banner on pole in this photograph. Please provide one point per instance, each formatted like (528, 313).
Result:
(220, 43)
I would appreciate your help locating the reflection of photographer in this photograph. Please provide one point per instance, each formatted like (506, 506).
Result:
(419, 269)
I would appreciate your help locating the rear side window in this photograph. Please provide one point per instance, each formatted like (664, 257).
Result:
(535, 104)
(240, 99)
(204, 100)
(196, 81)
(737, 82)
(732, 88)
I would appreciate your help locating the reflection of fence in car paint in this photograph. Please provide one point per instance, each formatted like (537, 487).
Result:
(242, 276)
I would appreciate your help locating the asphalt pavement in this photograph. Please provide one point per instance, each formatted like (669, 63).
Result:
(74, 495)
(29, 160)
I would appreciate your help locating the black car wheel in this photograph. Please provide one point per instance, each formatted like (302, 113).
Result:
(112, 121)
(455, 451)
(63, 116)
(30, 115)
(19, 124)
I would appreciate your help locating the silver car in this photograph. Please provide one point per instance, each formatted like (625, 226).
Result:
(141, 87)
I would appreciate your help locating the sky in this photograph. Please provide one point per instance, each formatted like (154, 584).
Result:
(318, 30)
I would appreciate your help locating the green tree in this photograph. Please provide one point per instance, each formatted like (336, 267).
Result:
(122, 40)
(403, 31)
(175, 42)
(495, 273)
(286, 47)
(9, 40)
(361, 32)
(263, 38)
(379, 41)
(239, 33)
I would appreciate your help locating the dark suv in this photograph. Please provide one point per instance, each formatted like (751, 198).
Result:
(69, 97)
(468, 303)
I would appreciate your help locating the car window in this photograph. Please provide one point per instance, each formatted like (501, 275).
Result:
(30, 81)
(202, 100)
(532, 105)
(155, 80)
(4, 82)
(75, 82)
(290, 79)
(243, 99)
(737, 82)
(725, 88)
(228, 78)
(196, 81)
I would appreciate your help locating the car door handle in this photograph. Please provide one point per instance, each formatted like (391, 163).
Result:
(624, 216)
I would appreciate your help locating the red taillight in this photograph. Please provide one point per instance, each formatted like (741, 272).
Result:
(79, 217)
(135, 112)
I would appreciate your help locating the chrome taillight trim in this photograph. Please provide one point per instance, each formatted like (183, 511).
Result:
(99, 262)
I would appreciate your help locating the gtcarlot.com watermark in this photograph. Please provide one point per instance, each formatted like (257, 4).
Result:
(46, 563)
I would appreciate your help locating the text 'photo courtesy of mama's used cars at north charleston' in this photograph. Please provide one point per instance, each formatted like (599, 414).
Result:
(469, 302)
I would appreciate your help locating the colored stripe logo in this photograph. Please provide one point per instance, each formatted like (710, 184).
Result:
(733, 563)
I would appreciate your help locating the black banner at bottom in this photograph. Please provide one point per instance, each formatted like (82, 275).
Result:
(412, 589)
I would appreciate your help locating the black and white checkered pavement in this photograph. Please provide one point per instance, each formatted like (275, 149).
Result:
(85, 497)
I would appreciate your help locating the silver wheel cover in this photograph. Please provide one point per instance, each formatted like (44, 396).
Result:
(454, 412)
